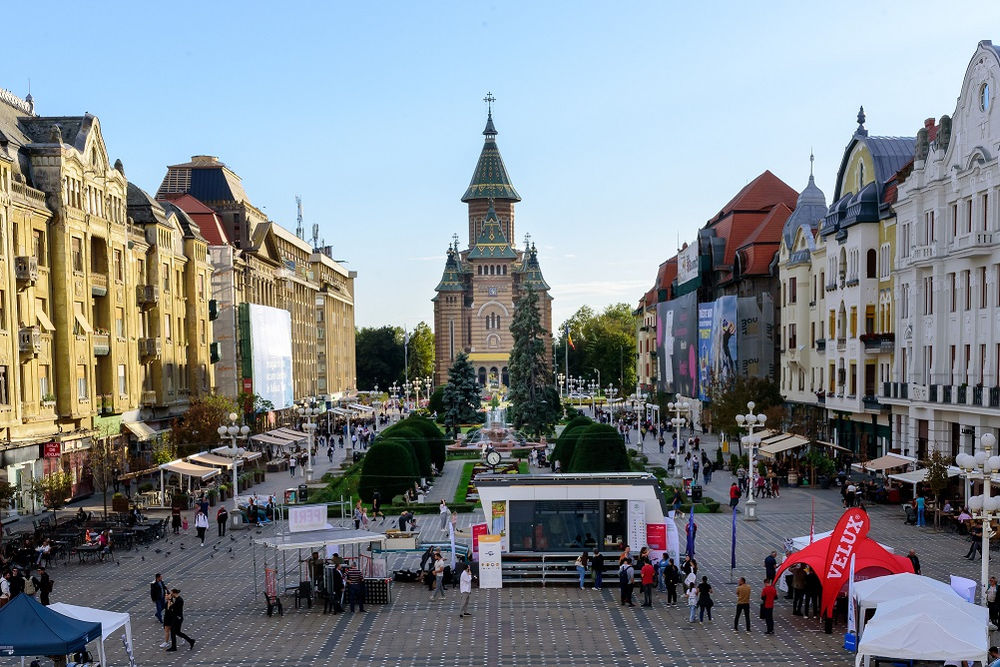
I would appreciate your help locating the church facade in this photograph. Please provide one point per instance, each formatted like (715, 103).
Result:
(474, 302)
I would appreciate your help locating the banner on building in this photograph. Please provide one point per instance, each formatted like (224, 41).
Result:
(687, 264)
(755, 331)
(706, 312)
(677, 345)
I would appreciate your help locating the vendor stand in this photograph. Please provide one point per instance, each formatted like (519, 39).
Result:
(184, 469)
(27, 628)
(110, 622)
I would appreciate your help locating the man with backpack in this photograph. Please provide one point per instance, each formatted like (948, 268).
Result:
(626, 579)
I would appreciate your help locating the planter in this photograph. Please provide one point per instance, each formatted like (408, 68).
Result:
(119, 504)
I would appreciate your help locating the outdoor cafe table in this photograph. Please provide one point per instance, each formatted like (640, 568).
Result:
(87, 552)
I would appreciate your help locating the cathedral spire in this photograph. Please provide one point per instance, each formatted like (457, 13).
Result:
(490, 179)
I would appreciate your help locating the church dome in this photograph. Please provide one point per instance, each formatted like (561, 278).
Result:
(810, 209)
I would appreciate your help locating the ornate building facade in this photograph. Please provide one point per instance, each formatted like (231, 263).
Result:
(475, 299)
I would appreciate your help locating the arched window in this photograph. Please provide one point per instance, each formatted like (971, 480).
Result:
(479, 270)
(482, 375)
(842, 268)
(504, 267)
(872, 263)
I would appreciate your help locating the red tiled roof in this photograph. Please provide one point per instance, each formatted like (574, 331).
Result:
(761, 194)
(757, 259)
(666, 273)
(769, 229)
(208, 222)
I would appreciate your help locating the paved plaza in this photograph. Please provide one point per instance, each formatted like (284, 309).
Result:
(509, 627)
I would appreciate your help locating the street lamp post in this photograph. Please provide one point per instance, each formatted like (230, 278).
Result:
(233, 432)
(610, 392)
(985, 507)
(427, 388)
(593, 387)
(678, 422)
(752, 422)
(307, 412)
(562, 381)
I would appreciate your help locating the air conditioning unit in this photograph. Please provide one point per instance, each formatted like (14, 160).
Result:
(26, 269)
(29, 340)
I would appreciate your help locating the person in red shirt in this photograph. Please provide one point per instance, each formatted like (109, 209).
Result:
(647, 573)
(767, 596)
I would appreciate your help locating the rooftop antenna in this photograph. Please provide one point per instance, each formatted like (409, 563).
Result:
(298, 229)
(316, 235)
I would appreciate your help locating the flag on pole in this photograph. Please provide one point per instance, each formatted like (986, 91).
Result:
(569, 338)
(451, 540)
(691, 528)
(812, 522)
(732, 552)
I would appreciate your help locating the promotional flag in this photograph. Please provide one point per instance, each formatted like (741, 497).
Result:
(673, 538)
(691, 528)
(732, 553)
(850, 637)
(812, 522)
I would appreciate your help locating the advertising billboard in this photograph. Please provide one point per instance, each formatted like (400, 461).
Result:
(271, 354)
(706, 312)
(687, 264)
(677, 345)
(755, 330)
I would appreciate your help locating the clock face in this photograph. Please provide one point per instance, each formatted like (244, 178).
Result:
(492, 291)
(493, 458)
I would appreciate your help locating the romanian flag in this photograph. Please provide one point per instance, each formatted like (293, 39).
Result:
(569, 339)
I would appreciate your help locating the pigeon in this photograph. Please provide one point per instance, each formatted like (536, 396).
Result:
(159, 551)
(230, 550)
(211, 556)
(182, 546)
(142, 557)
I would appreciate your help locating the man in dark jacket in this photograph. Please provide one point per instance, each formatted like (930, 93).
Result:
(671, 576)
(178, 617)
(597, 565)
(771, 565)
(333, 600)
(44, 586)
(158, 594)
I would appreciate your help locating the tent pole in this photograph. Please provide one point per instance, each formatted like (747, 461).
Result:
(100, 650)
(253, 546)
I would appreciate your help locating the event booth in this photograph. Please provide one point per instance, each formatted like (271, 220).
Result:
(28, 628)
(110, 622)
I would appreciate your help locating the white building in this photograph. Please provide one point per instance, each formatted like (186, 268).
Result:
(948, 259)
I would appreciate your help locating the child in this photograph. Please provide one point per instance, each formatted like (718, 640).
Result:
(692, 598)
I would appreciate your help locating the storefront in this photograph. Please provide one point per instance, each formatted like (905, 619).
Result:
(572, 512)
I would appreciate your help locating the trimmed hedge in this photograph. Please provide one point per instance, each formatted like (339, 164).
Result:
(599, 448)
(415, 440)
(566, 442)
(436, 440)
(390, 467)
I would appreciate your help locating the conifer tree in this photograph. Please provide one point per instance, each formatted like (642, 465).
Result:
(461, 395)
(534, 400)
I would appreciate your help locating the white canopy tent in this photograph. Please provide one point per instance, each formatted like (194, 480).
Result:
(870, 593)
(289, 433)
(914, 477)
(190, 470)
(204, 458)
(110, 621)
(237, 453)
(884, 463)
(926, 627)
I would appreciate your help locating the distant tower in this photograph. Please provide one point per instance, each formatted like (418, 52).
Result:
(299, 231)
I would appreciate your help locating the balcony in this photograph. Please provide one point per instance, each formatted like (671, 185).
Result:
(904, 390)
(820, 345)
(26, 269)
(29, 340)
(27, 194)
(977, 395)
(946, 393)
(932, 394)
(148, 398)
(971, 245)
(995, 397)
(105, 404)
(871, 403)
(102, 343)
(923, 253)
(841, 344)
(962, 393)
(888, 388)
(150, 347)
(98, 284)
(831, 287)
(147, 295)
(878, 342)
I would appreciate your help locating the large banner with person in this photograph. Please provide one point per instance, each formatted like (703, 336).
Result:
(677, 345)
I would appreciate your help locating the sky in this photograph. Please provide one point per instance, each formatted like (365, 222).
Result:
(624, 126)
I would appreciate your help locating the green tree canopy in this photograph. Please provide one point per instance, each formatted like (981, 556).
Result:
(197, 428)
(379, 356)
(599, 448)
(603, 341)
(405, 431)
(729, 398)
(389, 468)
(436, 440)
(420, 356)
(531, 382)
(566, 442)
(461, 395)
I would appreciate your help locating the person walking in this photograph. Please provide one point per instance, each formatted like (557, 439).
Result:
(661, 570)
(177, 606)
(357, 516)
(293, 461)
(672, 575)
(646, 578)
(692, 600)
(175, 518)
(581, 568)
(742, 604)
(445, 514)
(734, 495)
(993, 601)
(705, 602)
(767, 597)
(201, 525)
(158, 594)
(465, 590)
(626, 580)
(355, 587)
(814, 589)
(221, 517)
(438, 576)
(43, 584)
(771, 565)
(597, 565)
(168, 618)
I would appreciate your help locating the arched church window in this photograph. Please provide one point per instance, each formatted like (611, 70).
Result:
(504, 267)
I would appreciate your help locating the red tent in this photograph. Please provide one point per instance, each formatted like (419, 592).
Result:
(830, 557)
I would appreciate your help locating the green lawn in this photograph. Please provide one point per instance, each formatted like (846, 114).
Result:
(463, 481)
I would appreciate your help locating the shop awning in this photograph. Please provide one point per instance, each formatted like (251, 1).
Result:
(211, 460)
(270, 439)
(823, 443)
(84, 324)
(341, 412)
(239, 452)
(361, 408)
(783, 444)
(44, 320)
(190, 469)
(142, 431)
(289, 434)
(885, 463)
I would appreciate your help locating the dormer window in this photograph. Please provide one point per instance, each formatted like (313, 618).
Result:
(984, 97)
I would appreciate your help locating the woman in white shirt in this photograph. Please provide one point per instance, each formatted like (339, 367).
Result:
(201, 525)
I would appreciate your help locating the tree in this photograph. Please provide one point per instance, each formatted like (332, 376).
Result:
(603, 341)
(197, 428)
(937, 475)
(730, 397)
(435, 404)
(420, 358)
(599, 448)
(461, 394)
(389, 468)
(566, 442)
(54, 490)
(7, 493)
(531, 381)
(105, 460)
(436, 440)
(404, 431)
(379, 356)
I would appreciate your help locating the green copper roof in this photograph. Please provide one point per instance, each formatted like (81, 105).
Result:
(451, 280)
(490, 180)
(531, 273)
(491, 243)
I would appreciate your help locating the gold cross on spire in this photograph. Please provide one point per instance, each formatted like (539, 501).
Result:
(489, 99)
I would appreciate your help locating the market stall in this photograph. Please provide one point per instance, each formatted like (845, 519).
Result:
(182, 468)
(110, 622)
(870, 593)
(28, 628)
(883, 463)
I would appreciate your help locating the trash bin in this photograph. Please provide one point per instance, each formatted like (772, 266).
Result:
(289, 496)
(303, 493)
(696, 493)
(687, 485)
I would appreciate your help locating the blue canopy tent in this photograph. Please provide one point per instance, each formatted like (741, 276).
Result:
(29, 628)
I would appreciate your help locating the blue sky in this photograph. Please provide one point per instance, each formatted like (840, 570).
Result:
(624, 126)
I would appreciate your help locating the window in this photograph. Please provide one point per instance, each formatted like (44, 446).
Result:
(904, 297)
(854, 380)
(967, 281)
(166, 328)
(792, 290)
(929, 295)
(854, 321)
(812, 334)
(119, 268)
(929, 227)
(954, 220)
(791, 337)
(44, 385)
(983, 291)
(984, 97)
(201, 286)
(985, 212)
(968, 215)
(951, 364)
(169, 373)
(122, 381)
(201, 331)
(869, 319)
(166, 277)
(38, 246)
(904, 241)
(872, 262)
(954, 292)
(81, 382)
(77, 249)
(967, 368)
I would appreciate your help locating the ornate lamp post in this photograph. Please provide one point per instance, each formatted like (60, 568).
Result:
(985, 466)
(562, 381)
(592, 387)
(234, 432)
(307, 412)
(610, 392)
(752, 441)
(678, 407)
(427, 388)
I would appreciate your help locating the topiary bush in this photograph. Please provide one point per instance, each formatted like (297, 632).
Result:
(388, 467)
(436, 440)
(599, 448)
(565, 443)
(414, 438)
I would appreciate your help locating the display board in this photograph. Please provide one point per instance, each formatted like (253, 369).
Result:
(490, 562)
(636, 524)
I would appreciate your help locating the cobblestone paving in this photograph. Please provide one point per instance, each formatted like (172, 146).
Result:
(512, 627)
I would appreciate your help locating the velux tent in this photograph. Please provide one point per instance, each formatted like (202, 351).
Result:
(29, 628)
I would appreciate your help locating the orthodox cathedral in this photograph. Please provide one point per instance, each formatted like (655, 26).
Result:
(474, 304)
